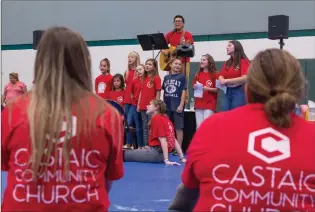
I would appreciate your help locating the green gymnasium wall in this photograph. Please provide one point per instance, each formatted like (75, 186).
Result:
(308, 67)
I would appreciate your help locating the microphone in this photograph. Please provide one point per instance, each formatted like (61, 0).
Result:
(174, 30)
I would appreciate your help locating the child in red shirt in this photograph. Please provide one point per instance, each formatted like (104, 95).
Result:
(233, 76)
(134, 116)
(63, 149)
(151, 89)
(205, 106)
(130, 75)
(267, 162)
(118, 90)
(161, 139)
(103, 83)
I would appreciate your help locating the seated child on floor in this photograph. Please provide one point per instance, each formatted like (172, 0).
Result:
(161, 139)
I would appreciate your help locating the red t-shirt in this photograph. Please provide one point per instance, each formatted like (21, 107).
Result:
(232, 72)
(118, 96)
(135, 90)
(148, 91)
(247, 164)
(161, 126)
(103, 85)
(209, 99)
(173, 38)
(129, 77)
(94, 160)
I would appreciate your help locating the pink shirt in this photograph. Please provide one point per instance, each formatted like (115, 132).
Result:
(13, 91)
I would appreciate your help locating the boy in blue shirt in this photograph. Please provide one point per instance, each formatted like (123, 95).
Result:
(175, 88)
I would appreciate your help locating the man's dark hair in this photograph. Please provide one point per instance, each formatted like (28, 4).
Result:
(179, 16)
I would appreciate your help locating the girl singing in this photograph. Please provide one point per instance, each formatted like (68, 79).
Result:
(134, 116)
(233, 75)
(151, 89)
(207, 75)
(130, 75)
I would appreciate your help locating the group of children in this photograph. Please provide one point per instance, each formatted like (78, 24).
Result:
(141, 84)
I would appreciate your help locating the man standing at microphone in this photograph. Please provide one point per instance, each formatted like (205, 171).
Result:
(179, 36)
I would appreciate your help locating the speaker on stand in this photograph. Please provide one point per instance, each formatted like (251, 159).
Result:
(278, 28)
(37, 35)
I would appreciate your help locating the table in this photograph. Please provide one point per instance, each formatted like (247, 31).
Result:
(189, 128)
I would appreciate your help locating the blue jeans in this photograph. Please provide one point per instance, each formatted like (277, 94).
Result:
(234, 97)
(134, 117)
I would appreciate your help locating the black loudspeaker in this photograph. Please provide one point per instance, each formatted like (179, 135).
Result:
(37, 35)
(185, 50)
(278, 27)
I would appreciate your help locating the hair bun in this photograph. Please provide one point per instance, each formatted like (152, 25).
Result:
(279, 107)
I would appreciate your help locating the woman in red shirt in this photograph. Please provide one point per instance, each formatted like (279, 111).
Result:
(233, 76)
(117, 93)
(206, 105)
(161, 139)
(60, 143)
(103, 83)
(267, 162)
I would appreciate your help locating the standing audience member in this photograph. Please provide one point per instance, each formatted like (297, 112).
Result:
(60, 143)
(271, 154)
(13, 89)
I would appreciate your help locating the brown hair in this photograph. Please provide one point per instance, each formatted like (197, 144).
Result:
(212, 68)
(161, 107)
(14, 75)
(155, 65)
(145, 74)
(238, 54)
(106, 60)
(276, 80)
(177, 58)
(63, 83)
(121, 78)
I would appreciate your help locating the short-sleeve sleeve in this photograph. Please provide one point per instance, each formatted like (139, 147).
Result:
(23, 85)
(189, 38)
(222, 70)
(167, 37)
(198, 154)
(157, 83)
(115, 133)
(5, 137)
(244, 66)
(156, 128)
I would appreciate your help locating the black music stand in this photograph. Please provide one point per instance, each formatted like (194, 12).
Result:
(151, 42)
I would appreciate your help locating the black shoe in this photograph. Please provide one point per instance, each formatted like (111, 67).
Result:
(174, 153)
